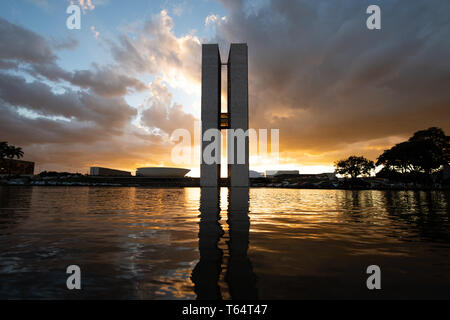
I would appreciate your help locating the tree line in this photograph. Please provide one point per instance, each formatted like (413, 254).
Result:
(421, 157)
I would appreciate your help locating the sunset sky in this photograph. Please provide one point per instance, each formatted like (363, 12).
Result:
(112, 93)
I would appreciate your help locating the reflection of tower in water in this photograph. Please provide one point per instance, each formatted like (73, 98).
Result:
(207, 271)
(239, 276)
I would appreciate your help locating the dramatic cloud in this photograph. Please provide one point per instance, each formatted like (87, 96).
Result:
(331, 85)
(156, 50)
(162, 113)
(105, 81)
(27, 132)
(17, 43)
(111, 113)
(22, 46)
(70, 120)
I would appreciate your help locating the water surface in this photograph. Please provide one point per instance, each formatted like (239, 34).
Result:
(146, 243)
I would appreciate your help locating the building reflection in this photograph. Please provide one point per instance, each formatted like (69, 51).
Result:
(207, 271)
(239, 275)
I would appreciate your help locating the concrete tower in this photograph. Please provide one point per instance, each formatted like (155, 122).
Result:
(236, 117)
(211, 83)
(238, 166)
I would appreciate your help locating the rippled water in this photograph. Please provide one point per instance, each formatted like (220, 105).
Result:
(143, 243)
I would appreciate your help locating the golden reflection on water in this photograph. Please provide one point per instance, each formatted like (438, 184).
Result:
(147, 243)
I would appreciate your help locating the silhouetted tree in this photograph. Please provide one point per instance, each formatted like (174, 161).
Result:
(354, 167)
(3, 149)
(425, 152)
(434, 148)
(400, 158)
(10, 152)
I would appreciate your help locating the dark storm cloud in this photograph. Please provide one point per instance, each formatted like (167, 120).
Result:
(7, 65)
(39, 97)
(110, 113)
(329, 84)
(22, 46)
(67, 120)
(105, 81)
(73, 145)
(17, 43)
(42, 120)
(324, 79)
(25, 131)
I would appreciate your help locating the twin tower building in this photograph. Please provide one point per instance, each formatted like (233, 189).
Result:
(234, 119)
